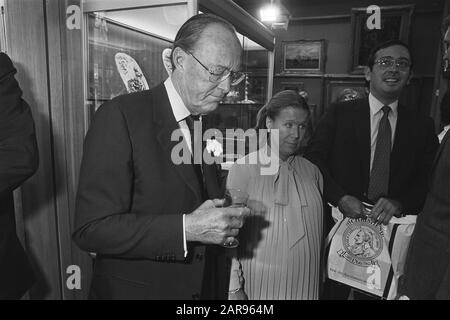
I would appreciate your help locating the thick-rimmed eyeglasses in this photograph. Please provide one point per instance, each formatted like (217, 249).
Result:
(216, 76)
(387, 62)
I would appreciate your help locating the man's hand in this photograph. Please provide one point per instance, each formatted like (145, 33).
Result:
(384, 210)
(211, 224)
(351, 207)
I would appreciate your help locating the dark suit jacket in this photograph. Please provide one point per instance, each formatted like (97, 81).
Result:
(340, 147)
(18, 161)
(428, 264)
(130, 202)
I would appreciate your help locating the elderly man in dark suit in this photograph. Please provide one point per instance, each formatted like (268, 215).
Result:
(427, 274)
(375, 150)
(18, 161)
(145, 216)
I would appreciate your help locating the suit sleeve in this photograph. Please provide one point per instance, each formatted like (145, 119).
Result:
(104, 222)
(319, 150)
(18, 148)
(413, 198)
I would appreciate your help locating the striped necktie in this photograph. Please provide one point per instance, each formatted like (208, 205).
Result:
(379, 175)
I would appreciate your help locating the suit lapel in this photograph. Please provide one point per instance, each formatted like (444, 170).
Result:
(165, 123)
(445, 140)
(362, 127)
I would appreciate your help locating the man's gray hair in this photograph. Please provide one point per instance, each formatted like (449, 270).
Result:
(190, 32)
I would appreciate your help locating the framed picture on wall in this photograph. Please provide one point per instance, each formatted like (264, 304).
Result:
(303, 57)
(394, 24)
(344, 90)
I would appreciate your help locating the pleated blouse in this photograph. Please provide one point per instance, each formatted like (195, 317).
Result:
(280, 245)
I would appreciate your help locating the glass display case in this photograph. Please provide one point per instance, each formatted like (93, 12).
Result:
(124, 46)
(240, 106)
(124, 41)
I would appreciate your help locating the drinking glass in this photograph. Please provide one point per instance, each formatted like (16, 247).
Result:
(234, 198)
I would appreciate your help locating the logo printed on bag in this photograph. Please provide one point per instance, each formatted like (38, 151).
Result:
(362, 241)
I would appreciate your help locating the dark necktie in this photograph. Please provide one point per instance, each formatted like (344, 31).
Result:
(197, 166)
(379, 175)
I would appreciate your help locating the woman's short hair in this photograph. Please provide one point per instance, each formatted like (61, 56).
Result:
(280, 101)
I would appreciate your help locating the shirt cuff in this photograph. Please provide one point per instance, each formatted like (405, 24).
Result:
(184, 238)
(236, 276)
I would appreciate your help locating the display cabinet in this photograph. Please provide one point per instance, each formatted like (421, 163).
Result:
(124, 42)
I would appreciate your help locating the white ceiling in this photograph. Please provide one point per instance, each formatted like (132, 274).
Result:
(163, 21)
(160, 21)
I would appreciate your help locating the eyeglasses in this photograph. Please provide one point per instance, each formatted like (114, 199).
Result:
(217, 76)
(386, 62)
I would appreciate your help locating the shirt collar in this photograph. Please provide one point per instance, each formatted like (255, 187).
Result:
(178, 107)
(376, 105)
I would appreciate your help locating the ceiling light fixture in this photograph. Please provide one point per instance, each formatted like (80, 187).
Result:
(275, 15)
(270, 13)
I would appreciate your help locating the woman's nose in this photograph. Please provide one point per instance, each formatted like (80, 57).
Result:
(295, 131)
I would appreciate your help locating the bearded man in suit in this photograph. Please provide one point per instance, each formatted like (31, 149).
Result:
(149, 220)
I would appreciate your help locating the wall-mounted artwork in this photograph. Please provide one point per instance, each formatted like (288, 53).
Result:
(344, 90)
(130, 72)
(303, 57)
(395, 24)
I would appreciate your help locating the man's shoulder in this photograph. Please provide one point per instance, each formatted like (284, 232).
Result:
(135, 103)
(348, 107)
(350, 104)
(6, 64)
(414, 115)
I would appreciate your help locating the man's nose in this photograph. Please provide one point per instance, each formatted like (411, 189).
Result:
(225, 85)
(394, 66)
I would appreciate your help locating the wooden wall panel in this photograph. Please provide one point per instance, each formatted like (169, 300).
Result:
(67, 117)
(27, 47)
(69, 135)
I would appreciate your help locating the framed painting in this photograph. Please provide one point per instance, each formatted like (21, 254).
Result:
(303, 57)
(344, 90)
(394, 24)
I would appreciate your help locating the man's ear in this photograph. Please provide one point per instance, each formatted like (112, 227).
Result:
(167, 61)
(269, 123)
(178, 58)
(367, 73)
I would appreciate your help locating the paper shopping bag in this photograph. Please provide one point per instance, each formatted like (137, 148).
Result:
(367, 256)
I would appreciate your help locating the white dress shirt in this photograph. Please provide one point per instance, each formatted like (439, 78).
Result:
(179, 110)
(180, 113)
(375, 117)
(443, 132)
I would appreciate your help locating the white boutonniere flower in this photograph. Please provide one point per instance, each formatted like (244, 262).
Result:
(214, 146)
